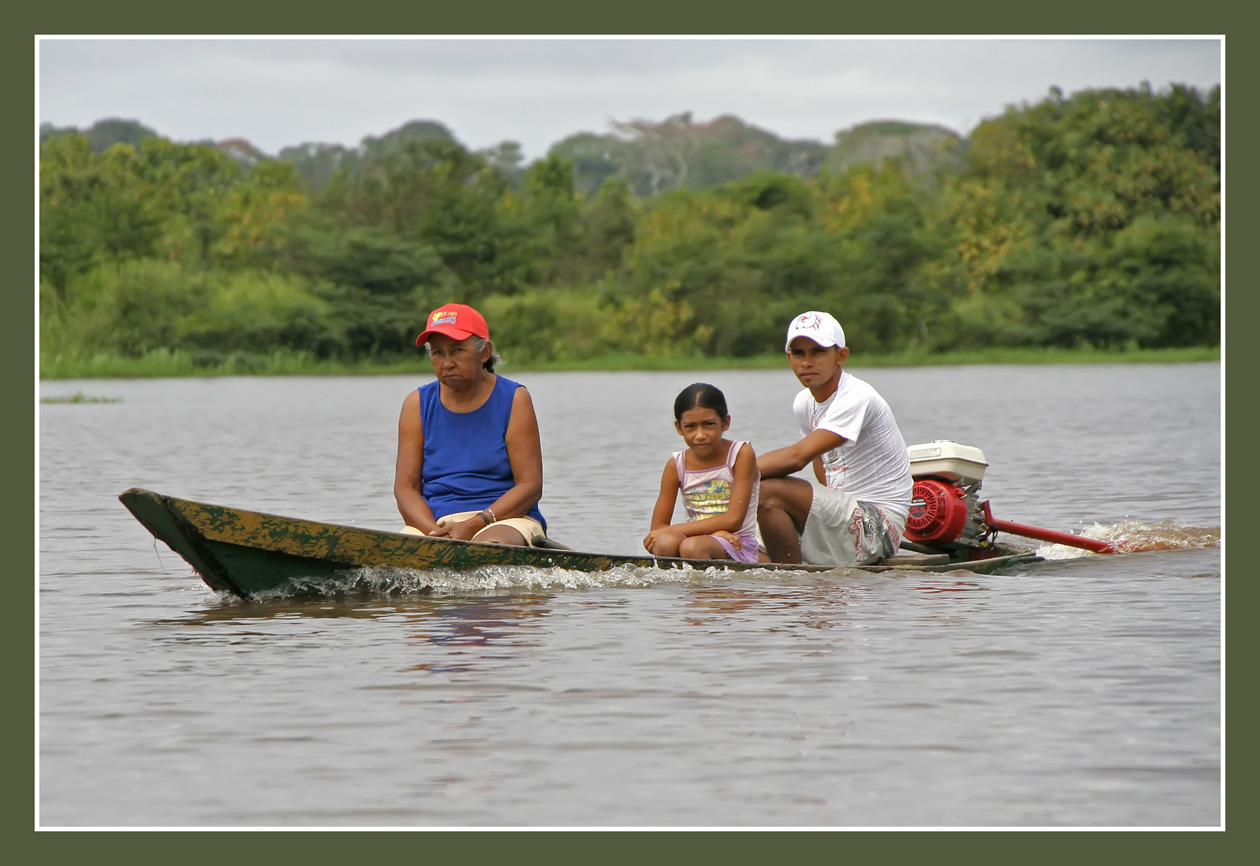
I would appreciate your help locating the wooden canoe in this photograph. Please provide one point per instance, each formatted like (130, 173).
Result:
(250, 553)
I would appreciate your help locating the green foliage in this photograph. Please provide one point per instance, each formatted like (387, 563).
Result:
(103, 134)
(1089, 221)
(93, 208)
(506, 158)
(367, 257)
(132, 309)
(123, 308)
(924, 148)
(80, 397)
(321, 165)
(1168, 273)
(551, 213)
(555, 324)
(258, 211)
(435, 193)
(726, 266)
(250, 311)
(678, 153)
(596, 159)
(607, 227)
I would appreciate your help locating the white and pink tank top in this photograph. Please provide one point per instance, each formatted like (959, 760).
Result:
(707, 492)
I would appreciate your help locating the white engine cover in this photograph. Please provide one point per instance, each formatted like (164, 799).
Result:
(947, 460)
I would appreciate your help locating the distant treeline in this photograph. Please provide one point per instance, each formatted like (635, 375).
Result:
(650, 157)
(1090, 221)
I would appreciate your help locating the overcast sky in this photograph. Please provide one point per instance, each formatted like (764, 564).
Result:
(282, 92)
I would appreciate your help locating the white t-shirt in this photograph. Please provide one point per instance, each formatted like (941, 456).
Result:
(873, 463)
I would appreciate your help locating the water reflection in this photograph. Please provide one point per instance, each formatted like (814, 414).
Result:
(937, 588)
(481, 623)
(230, 609)
(812, 603)
(832, 601)
(490, 625)
(1084, 690)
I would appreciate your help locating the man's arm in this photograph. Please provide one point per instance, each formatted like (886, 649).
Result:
(784, 461)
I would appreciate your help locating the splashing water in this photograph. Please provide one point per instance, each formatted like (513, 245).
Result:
(490, 580)
(1128, 536)
(1135, 536)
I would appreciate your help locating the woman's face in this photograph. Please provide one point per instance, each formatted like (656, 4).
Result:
(457, 363)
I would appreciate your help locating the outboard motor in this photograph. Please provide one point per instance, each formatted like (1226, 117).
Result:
(945, 509)
(946, 512)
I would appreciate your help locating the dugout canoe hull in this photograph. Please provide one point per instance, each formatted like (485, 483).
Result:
(251, 553)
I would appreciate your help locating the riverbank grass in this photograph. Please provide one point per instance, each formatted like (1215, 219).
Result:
(79, 397)
(170, 364)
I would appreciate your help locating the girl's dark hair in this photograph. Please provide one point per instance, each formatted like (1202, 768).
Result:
(700, 396)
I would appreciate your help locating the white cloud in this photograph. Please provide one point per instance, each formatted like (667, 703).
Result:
(278, 92)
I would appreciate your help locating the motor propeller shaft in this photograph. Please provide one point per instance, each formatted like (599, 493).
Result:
(1066, 538)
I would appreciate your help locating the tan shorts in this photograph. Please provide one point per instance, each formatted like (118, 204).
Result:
(528, 527)
(842, 531)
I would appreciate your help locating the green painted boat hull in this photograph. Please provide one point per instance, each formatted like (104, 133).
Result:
(250, 553)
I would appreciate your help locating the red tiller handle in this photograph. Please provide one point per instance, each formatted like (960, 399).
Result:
(1048, 534)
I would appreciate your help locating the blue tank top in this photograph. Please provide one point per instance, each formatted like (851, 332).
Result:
(466, 466)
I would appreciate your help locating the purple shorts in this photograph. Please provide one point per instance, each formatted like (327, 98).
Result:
(746, 553)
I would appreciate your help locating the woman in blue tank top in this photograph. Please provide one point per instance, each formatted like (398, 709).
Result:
(469, 453)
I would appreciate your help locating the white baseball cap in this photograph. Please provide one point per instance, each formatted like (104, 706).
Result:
(822, 328)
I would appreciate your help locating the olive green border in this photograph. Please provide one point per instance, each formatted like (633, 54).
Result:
(790, 17)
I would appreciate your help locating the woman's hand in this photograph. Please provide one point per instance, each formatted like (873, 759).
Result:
(462, 531)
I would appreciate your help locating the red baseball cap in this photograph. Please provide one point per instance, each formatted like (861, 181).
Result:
(457, 321)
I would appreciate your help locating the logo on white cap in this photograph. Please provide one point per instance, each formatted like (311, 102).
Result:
(822, 328)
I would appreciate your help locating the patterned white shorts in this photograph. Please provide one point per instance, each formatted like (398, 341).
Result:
(840, 530)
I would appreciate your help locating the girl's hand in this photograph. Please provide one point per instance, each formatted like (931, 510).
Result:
(729, 536)
(653, 538)
(649, 541)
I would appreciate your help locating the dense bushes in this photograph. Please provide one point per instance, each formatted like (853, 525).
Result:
(1089, 221)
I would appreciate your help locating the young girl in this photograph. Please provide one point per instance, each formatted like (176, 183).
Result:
(718, 479)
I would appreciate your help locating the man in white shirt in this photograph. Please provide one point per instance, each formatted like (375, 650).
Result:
(851, 438)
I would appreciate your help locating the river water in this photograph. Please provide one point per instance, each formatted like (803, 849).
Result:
(1082, 691)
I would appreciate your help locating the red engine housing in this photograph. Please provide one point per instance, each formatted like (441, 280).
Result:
(938, 512)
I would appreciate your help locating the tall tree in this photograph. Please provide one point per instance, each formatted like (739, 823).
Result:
(93, 208)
